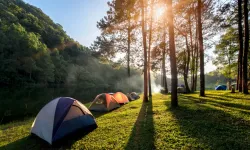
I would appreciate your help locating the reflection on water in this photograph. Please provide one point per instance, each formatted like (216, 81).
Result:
(18, 104)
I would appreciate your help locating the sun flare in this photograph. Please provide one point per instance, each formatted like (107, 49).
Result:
(159, 11)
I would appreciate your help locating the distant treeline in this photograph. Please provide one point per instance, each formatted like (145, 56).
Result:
(212, 79)
(35, 50)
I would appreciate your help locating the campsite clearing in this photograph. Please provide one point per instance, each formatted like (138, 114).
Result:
(220, 120)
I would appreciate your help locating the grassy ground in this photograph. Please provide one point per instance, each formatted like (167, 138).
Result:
(221, 120)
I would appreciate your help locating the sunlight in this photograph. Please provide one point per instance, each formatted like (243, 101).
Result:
(159, 11)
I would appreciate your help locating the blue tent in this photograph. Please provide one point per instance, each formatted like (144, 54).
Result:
(221, 87)
(61, 117)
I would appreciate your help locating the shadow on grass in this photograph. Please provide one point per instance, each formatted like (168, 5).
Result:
(229, 95)
(33, 142)
(224, 102)
(212, 128)
(142, 135)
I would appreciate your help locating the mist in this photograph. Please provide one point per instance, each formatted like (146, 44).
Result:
(156, 88)
(90, 73)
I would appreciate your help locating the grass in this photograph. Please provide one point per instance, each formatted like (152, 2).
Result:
(220, 120)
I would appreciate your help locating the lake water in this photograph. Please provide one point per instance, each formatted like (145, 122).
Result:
(21, 103)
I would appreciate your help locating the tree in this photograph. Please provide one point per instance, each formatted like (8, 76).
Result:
(149, 47)
(174, 98)
(144, 34)
(239, 78)
(164, 54)
(226, 51)
(202, 75)
(246, 48)
(119, 21)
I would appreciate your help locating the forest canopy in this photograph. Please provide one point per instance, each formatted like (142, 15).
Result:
(35, 50)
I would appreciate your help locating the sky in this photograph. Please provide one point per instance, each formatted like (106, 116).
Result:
(79, 18)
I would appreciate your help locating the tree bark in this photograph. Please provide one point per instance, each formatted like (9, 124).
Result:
(241, 45)
(196, 52)
(144, 34)
(149, 49)
(196, 67)
(246, 47)
(187, 66)
(174, 98)
(164, 77)
(196, 56)
(129, 41)
(229, 74)
(202, 75)
(192, 54)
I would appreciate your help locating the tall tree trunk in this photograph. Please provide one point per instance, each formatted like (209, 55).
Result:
(149, 48)
(196, 52)
(196, 66)
(144, 34)
(246, 47)
(174, 98)
(196, 55)
(187, 66)
(192, 53)
(241, 45)
(229, 73)
(164, 77)
(129, 41)
(238, 77)
(202, 75)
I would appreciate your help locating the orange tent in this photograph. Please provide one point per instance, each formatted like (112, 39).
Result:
(121, 98)
(104, 102)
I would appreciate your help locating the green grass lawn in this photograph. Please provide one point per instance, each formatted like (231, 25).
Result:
(220, 120)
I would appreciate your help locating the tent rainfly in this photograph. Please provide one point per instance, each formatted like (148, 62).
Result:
(104, 102)
(134, 96)
(121, 98)
(221, 87)
(60, 117)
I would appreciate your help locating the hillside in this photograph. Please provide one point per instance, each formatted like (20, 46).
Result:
(35, 50)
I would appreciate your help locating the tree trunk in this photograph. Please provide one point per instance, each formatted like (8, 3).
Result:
(229, 73)
(237, 79)
(241, 45)
(128, 52)
(202, 75)
(149, 49)
(196, 53)
(164, 77)
(196, 57)
(196, 67)
(187, 66)
(192, 54)
(246, 47)
(174, 98)
(145, 96)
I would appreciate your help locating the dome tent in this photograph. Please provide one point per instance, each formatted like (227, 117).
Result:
(104, 102)
(134, 96)
(121, 98)
(221, 87)
(61, 117)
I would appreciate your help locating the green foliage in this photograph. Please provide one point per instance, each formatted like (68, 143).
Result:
(226, 53)
(35, 50)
